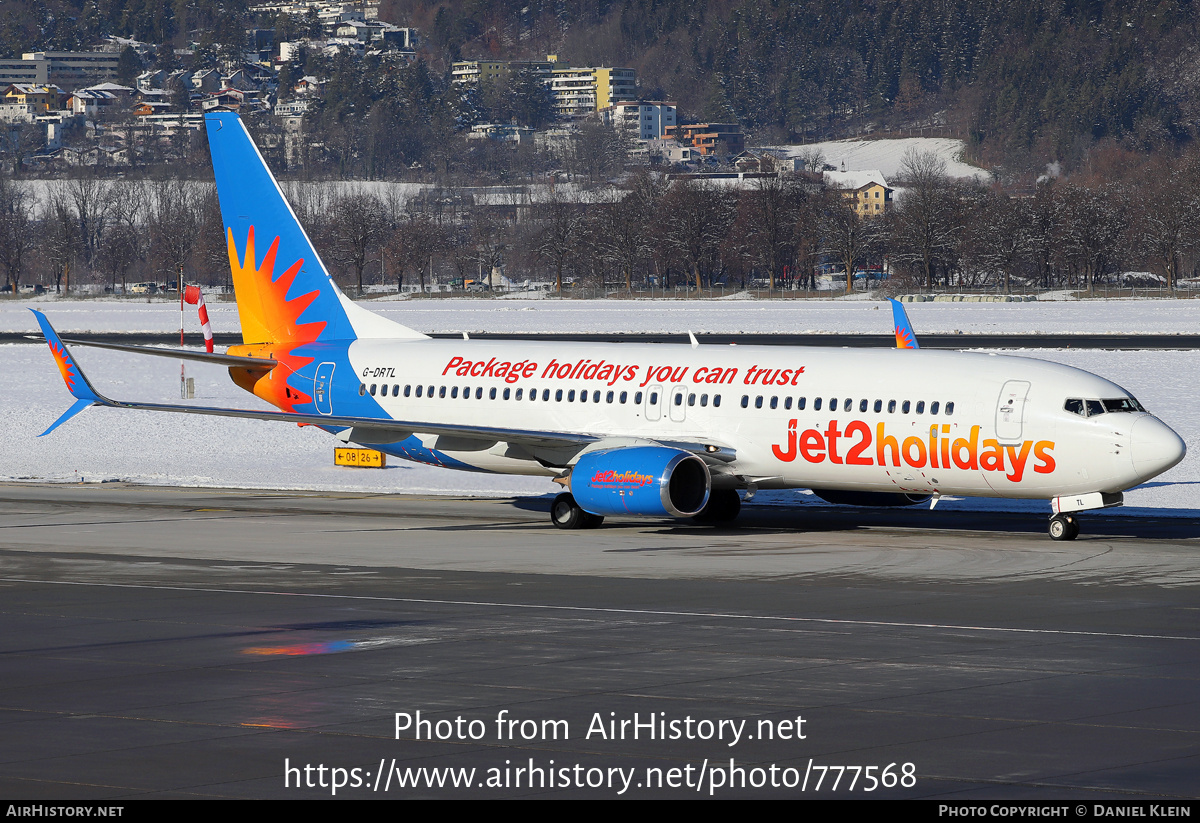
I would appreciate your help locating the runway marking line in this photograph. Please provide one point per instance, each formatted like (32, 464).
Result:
(606, 610)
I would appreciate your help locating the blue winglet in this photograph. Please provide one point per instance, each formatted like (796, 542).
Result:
(72, 375)
(906, 338)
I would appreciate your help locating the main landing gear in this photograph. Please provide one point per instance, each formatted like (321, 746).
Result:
(566, 514)
(1064, 527)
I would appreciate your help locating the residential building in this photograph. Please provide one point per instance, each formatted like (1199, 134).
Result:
(707, 138)
(475, 71)
(43, 98)
(579, 92)
(868, 191)
(640, 119)
(76, 68)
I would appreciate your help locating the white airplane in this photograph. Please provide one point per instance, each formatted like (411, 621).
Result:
(652, 429)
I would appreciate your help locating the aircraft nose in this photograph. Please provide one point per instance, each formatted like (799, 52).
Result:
(1154, 447)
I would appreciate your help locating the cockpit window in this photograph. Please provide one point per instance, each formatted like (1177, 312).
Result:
(1075, 406)
(1122, 404)
(1094, 408)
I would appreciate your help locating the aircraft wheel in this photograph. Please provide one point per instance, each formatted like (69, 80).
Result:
(1063, 527)
(566, 514)
(723, 506)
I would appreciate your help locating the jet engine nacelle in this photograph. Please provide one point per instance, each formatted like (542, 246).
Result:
(653, 481)
(870, 498)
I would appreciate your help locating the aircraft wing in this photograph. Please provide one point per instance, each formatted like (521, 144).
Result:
(381, 429)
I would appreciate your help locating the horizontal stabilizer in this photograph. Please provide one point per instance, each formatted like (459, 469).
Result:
(264, 363)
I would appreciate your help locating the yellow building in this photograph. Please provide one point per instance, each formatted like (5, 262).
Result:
(43, 98)
(868, 191)
(577, 92)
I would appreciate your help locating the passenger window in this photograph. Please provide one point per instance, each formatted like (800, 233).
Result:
(878, 406)
(849, 404)
(691, 399)
(950, 408)
(558, 396)
(704, 400)
(816, 404)
(653, 398)
(745, 401)
(758, 402)
(920, 407)
(583, 397)
(571, 396)
(774, 402)
(507, 393)
(492, 393)
(934, 406)
(891, 407)
(608, 398)
(519, 393)
(637, 399)
(407, 390)
(441, 391)
(362, 389)
(862, 406)
(787, 402)
(800, 403)
(623, 397)
(420, 391)
(905, 406)
(716, 400)
(372, 389)
(429, 392)
(678, 398)
(833, 404)
(546, 395)
(395, 390)
(596, 397)
(454, 392)
(479, 393)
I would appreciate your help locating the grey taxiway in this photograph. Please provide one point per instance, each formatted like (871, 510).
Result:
(199, 643)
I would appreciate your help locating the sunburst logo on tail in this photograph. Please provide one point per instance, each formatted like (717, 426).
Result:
(266, 313)
(904, 339)
(271, 320)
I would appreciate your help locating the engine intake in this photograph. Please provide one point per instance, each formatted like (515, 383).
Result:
(653, 481)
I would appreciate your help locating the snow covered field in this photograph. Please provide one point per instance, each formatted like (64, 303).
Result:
(140, 447)
(673, 316)
(888, 155)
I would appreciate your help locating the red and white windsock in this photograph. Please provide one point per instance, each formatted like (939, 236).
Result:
(195, 297)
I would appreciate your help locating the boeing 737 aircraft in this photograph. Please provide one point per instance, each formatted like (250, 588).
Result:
(652, 429)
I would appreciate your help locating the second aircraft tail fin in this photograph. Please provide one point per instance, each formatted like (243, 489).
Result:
(906, 338)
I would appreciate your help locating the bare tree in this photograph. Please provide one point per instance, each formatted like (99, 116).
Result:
(1164, 223)
(562, 225)
(848, 238)
(360, 225)
(60, 237)
(926, 223)
(92, 198)
(625, 219)
(15, 233)
(771, 208)
(698, 215)
(1001, 241)
(174, 226)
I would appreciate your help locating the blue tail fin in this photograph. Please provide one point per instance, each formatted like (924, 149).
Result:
(906, 338)
(284, 292)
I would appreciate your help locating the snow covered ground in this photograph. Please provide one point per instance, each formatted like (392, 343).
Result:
(888, 155)
(140, 447)
(671, 316)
